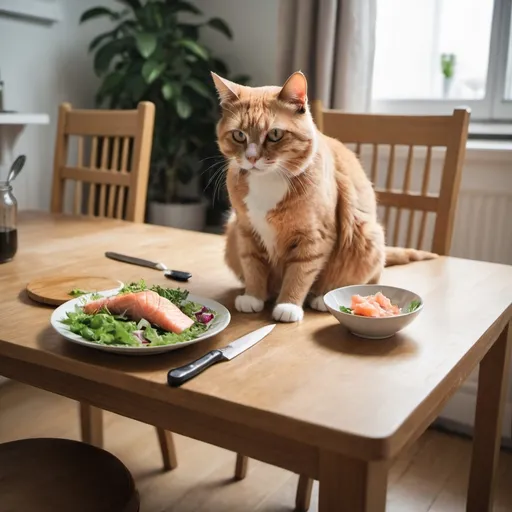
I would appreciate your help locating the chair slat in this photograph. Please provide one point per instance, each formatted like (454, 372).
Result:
(405, 189)
(389, 181)
(102, 123)
(77, 202)
(92, 165)
(124, 169)
(104, 165)
(375, 163)
(114, 168)
(424, 190)
(96, 176)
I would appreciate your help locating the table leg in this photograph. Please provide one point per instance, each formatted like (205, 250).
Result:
(91, 421)
(241, 466)
(167, 447)
(492, 388)
(303, 495)
(350, 485)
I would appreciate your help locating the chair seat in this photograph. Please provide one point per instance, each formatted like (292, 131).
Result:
(49, 475)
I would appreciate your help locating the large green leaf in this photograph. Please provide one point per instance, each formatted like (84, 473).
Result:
(182, 5)
(106, 53)
(194, 47)
(136, 85)
(189, 30)
(146, 43)
(199, 87)
(134, 4)
(100, 38)
(152, 69)
(183, 108)
(109, 86)
(97, 12)
(167, 91)
(112, 80)
(220, 25)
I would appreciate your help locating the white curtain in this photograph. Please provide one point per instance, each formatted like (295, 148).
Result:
(333, 43)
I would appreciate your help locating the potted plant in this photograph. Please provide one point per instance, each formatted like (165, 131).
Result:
(448, 69)
(153, 54)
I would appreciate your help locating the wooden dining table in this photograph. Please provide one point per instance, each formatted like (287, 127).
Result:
(310, 397)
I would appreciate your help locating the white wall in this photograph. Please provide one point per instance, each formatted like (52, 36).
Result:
(42, 66)
(253, 51)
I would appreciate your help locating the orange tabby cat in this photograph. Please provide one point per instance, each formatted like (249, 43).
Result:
(304, 215)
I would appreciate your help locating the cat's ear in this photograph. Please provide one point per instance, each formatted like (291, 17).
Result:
(228, 91)
(295, 90)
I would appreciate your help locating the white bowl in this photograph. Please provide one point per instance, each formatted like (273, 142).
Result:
(367, 327)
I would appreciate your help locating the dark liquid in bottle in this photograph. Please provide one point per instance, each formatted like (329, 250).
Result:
(8, 244)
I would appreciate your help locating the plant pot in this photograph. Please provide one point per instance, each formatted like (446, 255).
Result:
(447, 86)
(191, 215)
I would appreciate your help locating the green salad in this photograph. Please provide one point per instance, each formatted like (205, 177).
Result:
(106, 328)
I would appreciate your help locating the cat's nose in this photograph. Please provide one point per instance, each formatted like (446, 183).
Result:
(252, 159)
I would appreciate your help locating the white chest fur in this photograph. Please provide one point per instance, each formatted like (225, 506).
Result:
(265, 193)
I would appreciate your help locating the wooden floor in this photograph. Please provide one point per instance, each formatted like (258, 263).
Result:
(431, 476)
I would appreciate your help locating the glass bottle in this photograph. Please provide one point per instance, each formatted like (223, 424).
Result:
(8, 227)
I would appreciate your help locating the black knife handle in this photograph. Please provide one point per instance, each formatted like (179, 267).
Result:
(177, 275)
(180, 375)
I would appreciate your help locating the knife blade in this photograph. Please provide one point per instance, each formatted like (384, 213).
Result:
(177, 275)
(178, 376)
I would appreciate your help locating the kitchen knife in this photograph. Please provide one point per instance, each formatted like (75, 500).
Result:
(177, 275)
(178, 376)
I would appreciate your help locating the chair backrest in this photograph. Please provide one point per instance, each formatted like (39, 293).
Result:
(112, 181)
(372, 131)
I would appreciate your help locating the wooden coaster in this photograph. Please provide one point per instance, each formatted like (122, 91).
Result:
(55, 290)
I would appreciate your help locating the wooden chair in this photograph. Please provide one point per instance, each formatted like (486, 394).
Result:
(375, 131)
(111, 182)
(48, 475)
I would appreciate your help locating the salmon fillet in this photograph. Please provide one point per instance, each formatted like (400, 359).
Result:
(149, 305)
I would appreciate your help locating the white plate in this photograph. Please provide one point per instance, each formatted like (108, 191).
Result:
(219, 323)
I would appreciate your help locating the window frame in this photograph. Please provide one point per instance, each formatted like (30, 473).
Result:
(493, 107)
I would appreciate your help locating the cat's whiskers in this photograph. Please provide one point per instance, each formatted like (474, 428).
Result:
(284, 174)
(293, 179)
(218, 183)
(217, 171)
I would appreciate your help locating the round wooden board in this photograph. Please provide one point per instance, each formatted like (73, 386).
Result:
(55, 290)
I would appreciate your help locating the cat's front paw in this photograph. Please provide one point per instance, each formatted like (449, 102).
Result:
(248, 304)
(288, 313)
(318, 303)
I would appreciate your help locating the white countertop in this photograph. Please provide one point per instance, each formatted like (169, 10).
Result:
(23, 119)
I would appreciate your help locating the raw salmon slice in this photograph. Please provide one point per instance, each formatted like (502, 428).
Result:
(375, 306)
(149, 305)
(366, 309)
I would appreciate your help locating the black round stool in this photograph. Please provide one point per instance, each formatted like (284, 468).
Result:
(59, 475)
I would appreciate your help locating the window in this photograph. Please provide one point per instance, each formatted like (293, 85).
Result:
(432, 56)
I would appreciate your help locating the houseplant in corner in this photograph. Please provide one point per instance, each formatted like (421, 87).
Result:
(153, 54)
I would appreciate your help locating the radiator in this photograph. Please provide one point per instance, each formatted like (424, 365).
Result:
(483, 226)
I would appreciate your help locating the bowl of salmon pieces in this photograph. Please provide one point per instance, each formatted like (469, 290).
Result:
(373, 311)
(139, 319)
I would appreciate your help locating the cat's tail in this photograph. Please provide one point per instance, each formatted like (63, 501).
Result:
(401, 256)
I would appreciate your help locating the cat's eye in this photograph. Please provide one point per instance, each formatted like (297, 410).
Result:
(238, 136)
(275, 135)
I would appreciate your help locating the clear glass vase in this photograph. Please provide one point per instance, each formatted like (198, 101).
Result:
(8, 225)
